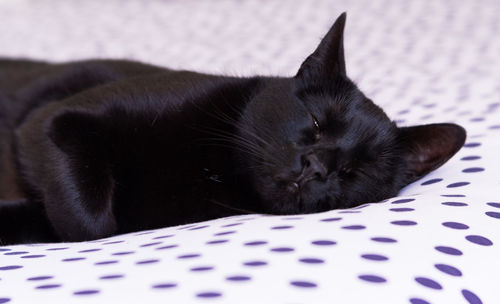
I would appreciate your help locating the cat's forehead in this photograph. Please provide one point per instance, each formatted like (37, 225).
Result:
(341, 108)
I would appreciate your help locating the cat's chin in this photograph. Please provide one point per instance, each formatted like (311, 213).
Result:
(300, 205)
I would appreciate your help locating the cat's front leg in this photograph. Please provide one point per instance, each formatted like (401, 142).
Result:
(62, 157)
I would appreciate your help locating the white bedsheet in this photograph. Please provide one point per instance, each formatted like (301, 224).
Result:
(423, 62)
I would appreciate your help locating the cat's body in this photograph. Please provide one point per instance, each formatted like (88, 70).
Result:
(165, 169)
(95, 148)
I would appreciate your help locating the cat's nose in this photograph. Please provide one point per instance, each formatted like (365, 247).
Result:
(313, 168)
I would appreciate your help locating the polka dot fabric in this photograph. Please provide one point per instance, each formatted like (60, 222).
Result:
(423, 62)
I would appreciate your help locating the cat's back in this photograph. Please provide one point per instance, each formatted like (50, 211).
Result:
(28, 85)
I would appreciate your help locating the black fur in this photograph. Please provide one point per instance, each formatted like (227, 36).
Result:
(96, 148)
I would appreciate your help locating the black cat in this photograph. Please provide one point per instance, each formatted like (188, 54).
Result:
(96, 148)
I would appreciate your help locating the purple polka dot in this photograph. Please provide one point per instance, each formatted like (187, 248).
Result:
(150, 261)
(383, 240)
(492, 204)
(471, 297)
(477, 119)
(472, 157)
(16, 252)
(331, 219)
(144, 233)
(448, 250)
(255, 263)
(150, 244)
(403, 201)
(401, 209)
(281, 227)
(106, 262)
(40, 278)
(255, 243)
(418, 301)
(111, 277)
(449, 270)
(472, 145)
(73, 259)
(89, 250)
(247, 219)
(349, 211)
(5, 249)
(4, 300)
(473, 170)
(186, 227)
(494, 127)
(454, 204)
(231, 225)
(57, 248)
(224, 233)
(112, 242)
(87, 292)
(282, 249)
(323, 243)
(374, 257)
(372, 278)
(167, 247)
(455, 225)
(428, 283)
(33, 256)
(201, 268)
(431, 181)
(362, 206)
(459, 184)
(404, 223)
(479, 240)
(123, 253)
(238, 278)
(164, 285)
(216, 242)
(311, 261)
(198, 228)
(11, 267)
(354, 227)
(453, 195)
(48, 286)
(163, 237)
(189, 256)
(493, 214)
(209, 294)
(303, 284)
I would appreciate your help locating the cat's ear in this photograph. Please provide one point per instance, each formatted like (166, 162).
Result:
(427, 147)
(327, 61)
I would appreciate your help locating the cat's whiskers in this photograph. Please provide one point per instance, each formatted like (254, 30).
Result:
(268, 138)
(229, 137)
(264, 138)
(259, 157)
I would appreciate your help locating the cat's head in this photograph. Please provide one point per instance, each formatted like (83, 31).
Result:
(316, 142)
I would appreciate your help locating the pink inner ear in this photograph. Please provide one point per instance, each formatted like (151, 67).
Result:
(427, 147)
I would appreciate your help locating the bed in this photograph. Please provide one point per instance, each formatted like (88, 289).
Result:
(438, 241)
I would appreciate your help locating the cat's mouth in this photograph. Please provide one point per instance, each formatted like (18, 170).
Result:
(304, 196)
(302, 187)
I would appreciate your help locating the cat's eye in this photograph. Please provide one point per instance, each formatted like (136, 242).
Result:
(317, 129)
